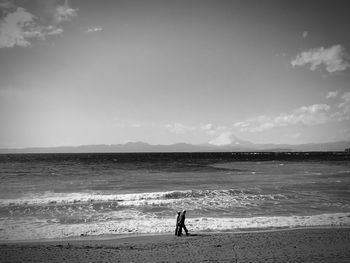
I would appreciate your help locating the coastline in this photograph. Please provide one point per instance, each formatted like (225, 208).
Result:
(312, 244)
(155, 226)
(140, 236)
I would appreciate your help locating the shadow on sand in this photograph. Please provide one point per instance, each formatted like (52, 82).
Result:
(197, 235)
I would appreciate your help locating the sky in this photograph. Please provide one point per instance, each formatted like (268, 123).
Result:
(107, 72)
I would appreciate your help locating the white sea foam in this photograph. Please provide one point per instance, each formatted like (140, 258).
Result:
(25, 229)
(48, 198)
(139, 199)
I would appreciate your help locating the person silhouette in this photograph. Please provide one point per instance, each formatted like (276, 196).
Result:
(177, 223)
(181, 223)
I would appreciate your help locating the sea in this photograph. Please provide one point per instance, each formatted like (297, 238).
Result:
(54, 196)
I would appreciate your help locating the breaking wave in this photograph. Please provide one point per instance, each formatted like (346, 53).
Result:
(38, 229)
(135, 199)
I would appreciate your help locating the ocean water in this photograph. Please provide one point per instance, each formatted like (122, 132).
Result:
(69, 195)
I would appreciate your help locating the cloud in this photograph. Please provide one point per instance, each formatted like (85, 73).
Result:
(212, 130)
(305, 115)
(94, 29)
(305, 34)
(16, 28)
(223, 139)
(313, 108)
(136, 125)
(333, 58)
(19, 26)
(227, 138)
(207, 126)
(332, 94)
(126, 123)
(65, 12)
(179, 128)
(221, 135)
(51, 31)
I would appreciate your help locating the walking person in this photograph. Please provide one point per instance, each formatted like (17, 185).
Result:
(177, 223)
(181, 223)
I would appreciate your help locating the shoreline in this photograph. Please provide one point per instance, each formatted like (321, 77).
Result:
(326, 244)
(135, 228)
(117, 237)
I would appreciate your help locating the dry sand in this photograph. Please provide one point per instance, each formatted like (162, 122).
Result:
(298, 245)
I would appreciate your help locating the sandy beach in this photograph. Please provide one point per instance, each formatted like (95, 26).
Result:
(295, 245)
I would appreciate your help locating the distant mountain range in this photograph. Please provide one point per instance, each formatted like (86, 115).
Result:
(236, 146)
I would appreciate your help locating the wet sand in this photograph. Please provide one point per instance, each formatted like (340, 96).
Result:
(298, 245)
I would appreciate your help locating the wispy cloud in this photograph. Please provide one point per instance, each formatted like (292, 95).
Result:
(19, 26)
(332, 94)
(305, 115)
(207, 126)
(51, 31)
(212, 129)
(179, 128)
(333, 58)
(94, 29)
(65, 12)
(127, 123)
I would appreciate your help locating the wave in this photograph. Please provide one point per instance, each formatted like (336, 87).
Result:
(24, 229)
(136, 199)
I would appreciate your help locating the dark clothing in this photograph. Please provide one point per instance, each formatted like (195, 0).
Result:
(179, 232)
(177, 223)
(181, 224)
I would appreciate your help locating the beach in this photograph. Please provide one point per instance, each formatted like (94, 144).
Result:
(54, 196)
(174, 131)
(122, 208)
(292, 245)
